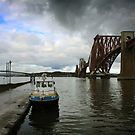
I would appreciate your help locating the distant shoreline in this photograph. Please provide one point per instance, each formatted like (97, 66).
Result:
(53, 74)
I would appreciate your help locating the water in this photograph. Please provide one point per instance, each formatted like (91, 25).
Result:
(5, 80)
(99, 107)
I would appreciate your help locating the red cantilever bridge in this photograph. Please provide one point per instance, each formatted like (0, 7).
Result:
(104, 51)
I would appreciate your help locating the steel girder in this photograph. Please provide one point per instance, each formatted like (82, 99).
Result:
(104, 51)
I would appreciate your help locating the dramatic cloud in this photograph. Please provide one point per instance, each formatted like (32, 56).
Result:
(53, 34)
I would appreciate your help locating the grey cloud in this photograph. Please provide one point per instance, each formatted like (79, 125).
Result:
(68, 12)
(36, 7)
(84, 15)
(75, 14)
(76, 7)
(107, 6)
(4, 47)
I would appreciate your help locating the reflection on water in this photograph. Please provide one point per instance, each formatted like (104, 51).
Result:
(42, 120)
(128, 96)
(99, 107)
(100, 94)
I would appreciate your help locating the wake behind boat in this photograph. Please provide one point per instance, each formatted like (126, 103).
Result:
(44, 93)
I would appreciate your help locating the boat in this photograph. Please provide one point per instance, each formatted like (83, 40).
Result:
(44, 93)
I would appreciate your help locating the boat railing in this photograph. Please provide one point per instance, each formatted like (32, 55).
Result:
(46, 92)
(49, 91)
(43, 90)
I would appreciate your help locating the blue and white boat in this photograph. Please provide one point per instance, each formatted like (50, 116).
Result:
(44, 93)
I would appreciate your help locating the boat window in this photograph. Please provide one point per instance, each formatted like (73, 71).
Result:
(38, 84)
(49, 84)
(44, 84)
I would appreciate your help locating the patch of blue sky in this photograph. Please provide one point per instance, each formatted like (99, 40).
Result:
(20, 27)
(2, 20)
(4, 9)
(37, 32)
(11, 24)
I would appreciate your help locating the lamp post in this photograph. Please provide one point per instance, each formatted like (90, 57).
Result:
(10, 71)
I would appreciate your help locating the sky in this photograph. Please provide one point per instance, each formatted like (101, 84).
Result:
(52, 35)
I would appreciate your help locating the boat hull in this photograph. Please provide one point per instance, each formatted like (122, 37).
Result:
(48, 103)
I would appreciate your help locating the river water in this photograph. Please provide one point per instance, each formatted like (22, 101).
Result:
(86, 107)
(6, 80)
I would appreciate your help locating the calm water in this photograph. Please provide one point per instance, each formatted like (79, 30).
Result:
(5, 80)
(86, 107)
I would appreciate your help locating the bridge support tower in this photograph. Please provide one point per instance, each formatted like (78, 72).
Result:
(127, 70)
(81, 69)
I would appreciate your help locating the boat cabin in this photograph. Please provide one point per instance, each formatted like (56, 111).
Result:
(45, 86)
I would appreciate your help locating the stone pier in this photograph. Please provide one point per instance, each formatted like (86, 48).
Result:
(127, 70)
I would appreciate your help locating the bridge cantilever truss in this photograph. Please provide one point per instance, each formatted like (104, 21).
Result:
(104, 51)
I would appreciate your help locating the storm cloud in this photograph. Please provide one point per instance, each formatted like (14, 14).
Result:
(60, 31)
(84, 15)
(94, 16)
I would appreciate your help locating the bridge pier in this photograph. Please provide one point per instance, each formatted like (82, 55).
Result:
(127, 70)
(102, 76)
(105, 77)
(81, 70)
(92, 76)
